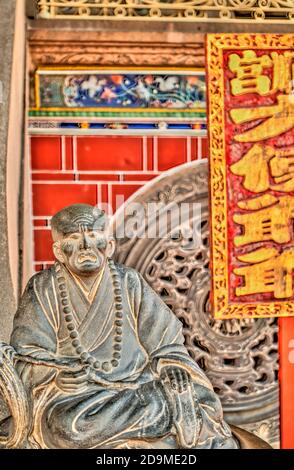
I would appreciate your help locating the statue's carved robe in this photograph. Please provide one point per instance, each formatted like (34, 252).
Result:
(133, 406)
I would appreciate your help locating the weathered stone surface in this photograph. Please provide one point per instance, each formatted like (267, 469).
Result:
(7, 300)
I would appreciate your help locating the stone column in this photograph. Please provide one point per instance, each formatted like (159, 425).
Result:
(12, 54)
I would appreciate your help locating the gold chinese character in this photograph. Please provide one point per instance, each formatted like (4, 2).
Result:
(250, 77)
(249, 71)
(269, 165)
(270, 219)
(282, 72)
(257, 157)
(268, 271)
(280, 119)
(282, 170)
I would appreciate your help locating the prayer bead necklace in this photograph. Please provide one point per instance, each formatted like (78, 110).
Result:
(86, 357)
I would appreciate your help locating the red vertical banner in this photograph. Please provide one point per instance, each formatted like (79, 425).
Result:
(251, 138)
(286, 375)
(251, 123)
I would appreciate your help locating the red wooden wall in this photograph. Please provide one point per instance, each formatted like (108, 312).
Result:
(286, 376)
(96, 169)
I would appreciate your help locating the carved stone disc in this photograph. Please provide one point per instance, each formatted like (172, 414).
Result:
(239, 356)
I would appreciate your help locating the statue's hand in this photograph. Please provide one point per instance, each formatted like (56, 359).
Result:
(178, 378)
(72, 382)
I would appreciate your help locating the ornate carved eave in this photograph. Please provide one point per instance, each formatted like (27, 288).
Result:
(184, 11)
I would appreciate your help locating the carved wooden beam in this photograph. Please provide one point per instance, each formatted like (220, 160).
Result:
(119, 48)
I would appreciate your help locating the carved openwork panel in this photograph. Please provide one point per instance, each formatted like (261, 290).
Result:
(239, 356)
(164, 10)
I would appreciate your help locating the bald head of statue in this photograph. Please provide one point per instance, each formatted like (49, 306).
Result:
(81, 239)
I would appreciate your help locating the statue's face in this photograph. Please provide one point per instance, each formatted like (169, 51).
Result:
(84, 252)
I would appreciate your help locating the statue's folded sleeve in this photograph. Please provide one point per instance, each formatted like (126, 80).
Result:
(35, 330)
(161, 334)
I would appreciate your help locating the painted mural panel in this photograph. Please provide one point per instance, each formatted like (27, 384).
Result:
(102, 92)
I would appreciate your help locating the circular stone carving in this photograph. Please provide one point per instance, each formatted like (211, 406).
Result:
(239, 356)
(13, 393)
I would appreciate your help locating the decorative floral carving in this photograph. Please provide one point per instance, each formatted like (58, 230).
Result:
(179, 10)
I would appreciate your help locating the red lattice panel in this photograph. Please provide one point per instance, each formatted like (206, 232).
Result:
(95, 170)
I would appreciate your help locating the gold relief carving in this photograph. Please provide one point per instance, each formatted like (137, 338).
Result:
(268, 163)
(268, 272)
(275, 125)
(269, 219)
(250, 76)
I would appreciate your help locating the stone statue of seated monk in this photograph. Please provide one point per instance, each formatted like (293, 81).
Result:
(102, 358)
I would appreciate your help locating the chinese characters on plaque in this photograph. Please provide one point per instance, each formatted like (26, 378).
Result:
(251, 100)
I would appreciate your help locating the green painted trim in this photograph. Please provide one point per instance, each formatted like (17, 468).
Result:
(87, 114)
